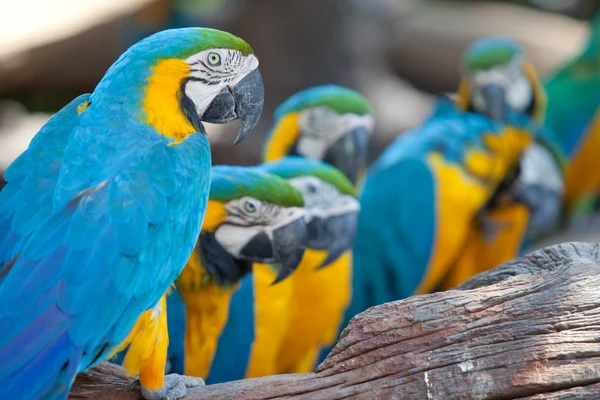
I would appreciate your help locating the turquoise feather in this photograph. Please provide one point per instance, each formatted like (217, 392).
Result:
(574, 94)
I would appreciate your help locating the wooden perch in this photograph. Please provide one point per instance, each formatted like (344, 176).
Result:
(530, 329)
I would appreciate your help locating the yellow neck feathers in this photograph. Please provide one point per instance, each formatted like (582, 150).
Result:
(161, 100)
(283, 137)
(215, 214)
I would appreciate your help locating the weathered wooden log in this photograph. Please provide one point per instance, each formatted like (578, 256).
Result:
(529, 329)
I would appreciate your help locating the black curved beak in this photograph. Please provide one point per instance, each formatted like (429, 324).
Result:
(244, 101)
(318, 234)
(349, 153)
(495, 102)
(283, 246)
(342, 230)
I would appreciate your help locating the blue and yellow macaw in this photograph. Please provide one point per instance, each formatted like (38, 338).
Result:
(321, 287)
(252, 217)
(328, 123)
(277, 328)
(104, 208)
(445, 200)
(332, 124)
(573, 101)
(501, 84)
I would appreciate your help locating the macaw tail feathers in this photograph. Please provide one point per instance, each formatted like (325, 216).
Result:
(29, 377)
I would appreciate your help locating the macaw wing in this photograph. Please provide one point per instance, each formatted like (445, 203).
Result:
(396, 234)
(27, 197)
(573, 95)
(417, 206)
(83, 276)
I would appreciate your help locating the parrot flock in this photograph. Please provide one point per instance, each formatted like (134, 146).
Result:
(119, 241)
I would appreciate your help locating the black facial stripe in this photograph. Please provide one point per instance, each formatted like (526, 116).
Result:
(205, 81)
(206, 66)
(246, 224)
(201, 71)
(238, 215)
(209, 80)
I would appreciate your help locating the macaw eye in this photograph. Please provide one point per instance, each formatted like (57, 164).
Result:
(214, 59)
(311, 189)
(249, 207)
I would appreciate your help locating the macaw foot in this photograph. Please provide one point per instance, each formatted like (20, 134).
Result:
(175, 387)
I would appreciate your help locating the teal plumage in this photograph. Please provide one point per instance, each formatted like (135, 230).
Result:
(573, 98)
(574, 93)
(399, 223)
(98, 218)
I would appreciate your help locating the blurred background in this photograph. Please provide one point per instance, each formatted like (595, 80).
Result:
(399, 53)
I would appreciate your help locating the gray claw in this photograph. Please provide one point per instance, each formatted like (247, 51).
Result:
(175, 387)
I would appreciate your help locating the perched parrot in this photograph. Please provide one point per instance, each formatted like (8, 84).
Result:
(328, 123)
(509, 91)
(573, 100)
(252, 217)
(446, 200)
(104, 208)
(274, 328)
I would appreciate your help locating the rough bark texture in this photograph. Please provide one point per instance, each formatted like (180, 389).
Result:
(529, 329)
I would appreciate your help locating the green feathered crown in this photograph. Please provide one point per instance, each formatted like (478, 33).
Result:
(234, 182)
(292, 167)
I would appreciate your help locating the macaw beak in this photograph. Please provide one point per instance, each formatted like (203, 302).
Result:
(342, 230)
(283, 246)
(334, 232)
(244, 101)
(496, 105)
(349, 153)
(318, 234)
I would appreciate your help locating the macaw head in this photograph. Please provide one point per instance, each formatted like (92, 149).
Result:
(329, 198)
(252, 216)
(177, 78)
(328, 123)
(498, 81)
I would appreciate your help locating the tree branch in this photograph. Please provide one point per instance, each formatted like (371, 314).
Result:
(529, 329)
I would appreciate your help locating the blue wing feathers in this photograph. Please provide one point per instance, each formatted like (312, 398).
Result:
(12, 324)
(34, 338)
(89, 235)
(41, 277)
(390, 259)
(27, 381)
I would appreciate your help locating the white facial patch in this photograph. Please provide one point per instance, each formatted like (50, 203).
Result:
(248, 217)
(321, 127)
(538, 167)
(213, 70)
(511, 77)
(323, 199)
